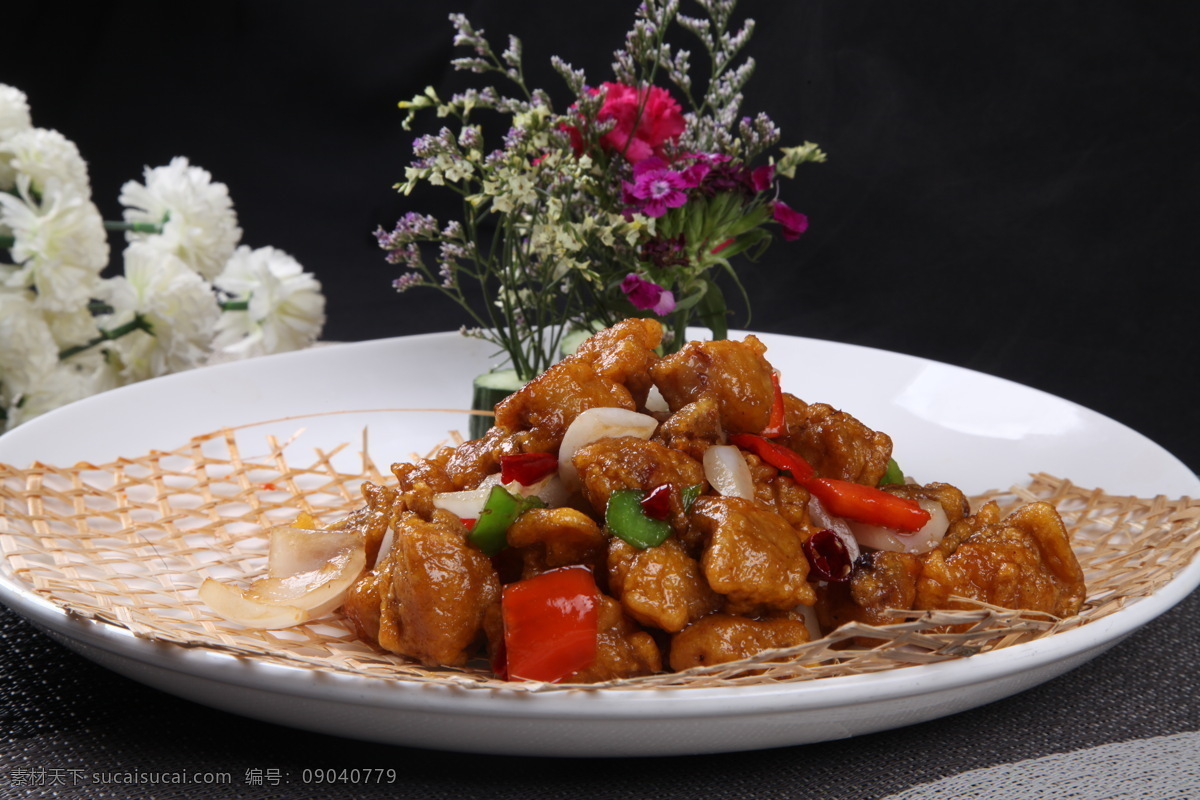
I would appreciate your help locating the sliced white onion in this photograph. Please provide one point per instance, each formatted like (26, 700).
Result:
(282, 599)
(821, 518)
(233, 604)
(595, 424)
(468, 504)
(655, 402)
(291, 551)
(922, 541)
(727, 472)
(385, 547)
(550, 490)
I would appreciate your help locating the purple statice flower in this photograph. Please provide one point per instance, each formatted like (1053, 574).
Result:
(793, 222)
(647, 295)
(407, 281)
(655, 188)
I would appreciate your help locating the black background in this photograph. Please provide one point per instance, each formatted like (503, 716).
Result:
(1012, 187)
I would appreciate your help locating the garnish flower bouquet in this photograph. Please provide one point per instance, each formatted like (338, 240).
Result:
(188, 292)
(626, 202)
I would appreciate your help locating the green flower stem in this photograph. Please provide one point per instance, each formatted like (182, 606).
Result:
(134, 227)
(138, 323)
(236, 305)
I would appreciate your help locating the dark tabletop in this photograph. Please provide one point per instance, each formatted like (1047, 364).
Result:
(1012, 187)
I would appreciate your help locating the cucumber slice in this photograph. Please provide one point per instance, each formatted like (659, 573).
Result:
(490, 388)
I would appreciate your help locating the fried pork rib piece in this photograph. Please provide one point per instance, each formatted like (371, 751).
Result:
(608, 371)
(753, 556)
(881, 581)
(835, 443)
(1021, 561)
(372, 520)
(661, 587)
(428, 598)
(734, 374)
(721, 638)
(627, 462)
(693, 428)
(623, 650)
(548, 538)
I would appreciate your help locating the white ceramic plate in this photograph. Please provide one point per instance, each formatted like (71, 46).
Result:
(947, 423)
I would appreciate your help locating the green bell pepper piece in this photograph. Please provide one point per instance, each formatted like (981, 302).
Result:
(626, 519)
(893, 475)
(490, 533)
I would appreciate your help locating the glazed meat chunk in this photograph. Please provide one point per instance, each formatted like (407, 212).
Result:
(547, 405)
(693, 428)
(372, 520)
(881, 581)
(627, 462)
(835, 443)
(753, 556)
(734, 374)
(661, 586)
(624, 354)
(623, 650)
(1022, 561)
(473, 461)
(724, 637)
(607, 371)
(432, 588)
(548, 538)
(418, 481)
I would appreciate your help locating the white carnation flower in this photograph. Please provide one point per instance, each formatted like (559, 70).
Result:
(14, 118)
(73, 327)
(201, 226)
(60, 246)
(286, 309)
(178, 305)
(28, 352)
(14, 111)
(51, 160)
(75, 379)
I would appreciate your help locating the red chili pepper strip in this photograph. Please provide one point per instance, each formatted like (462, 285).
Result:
(551, 624)
(777, 424)
(527, 468)
(778, 456)
(868, 504)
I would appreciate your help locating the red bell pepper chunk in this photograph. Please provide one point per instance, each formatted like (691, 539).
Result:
(868, 504)
(551, 624)
(780, 457)
(777, 423)
(527, 468)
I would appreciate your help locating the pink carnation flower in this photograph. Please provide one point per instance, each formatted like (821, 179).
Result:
(655, 188)
(640, 136)
(793, 222)
(647, 295)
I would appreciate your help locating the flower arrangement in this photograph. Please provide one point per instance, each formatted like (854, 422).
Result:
(622, 204)
(188, 293)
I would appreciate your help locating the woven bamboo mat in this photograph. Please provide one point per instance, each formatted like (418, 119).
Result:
(128, 543)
